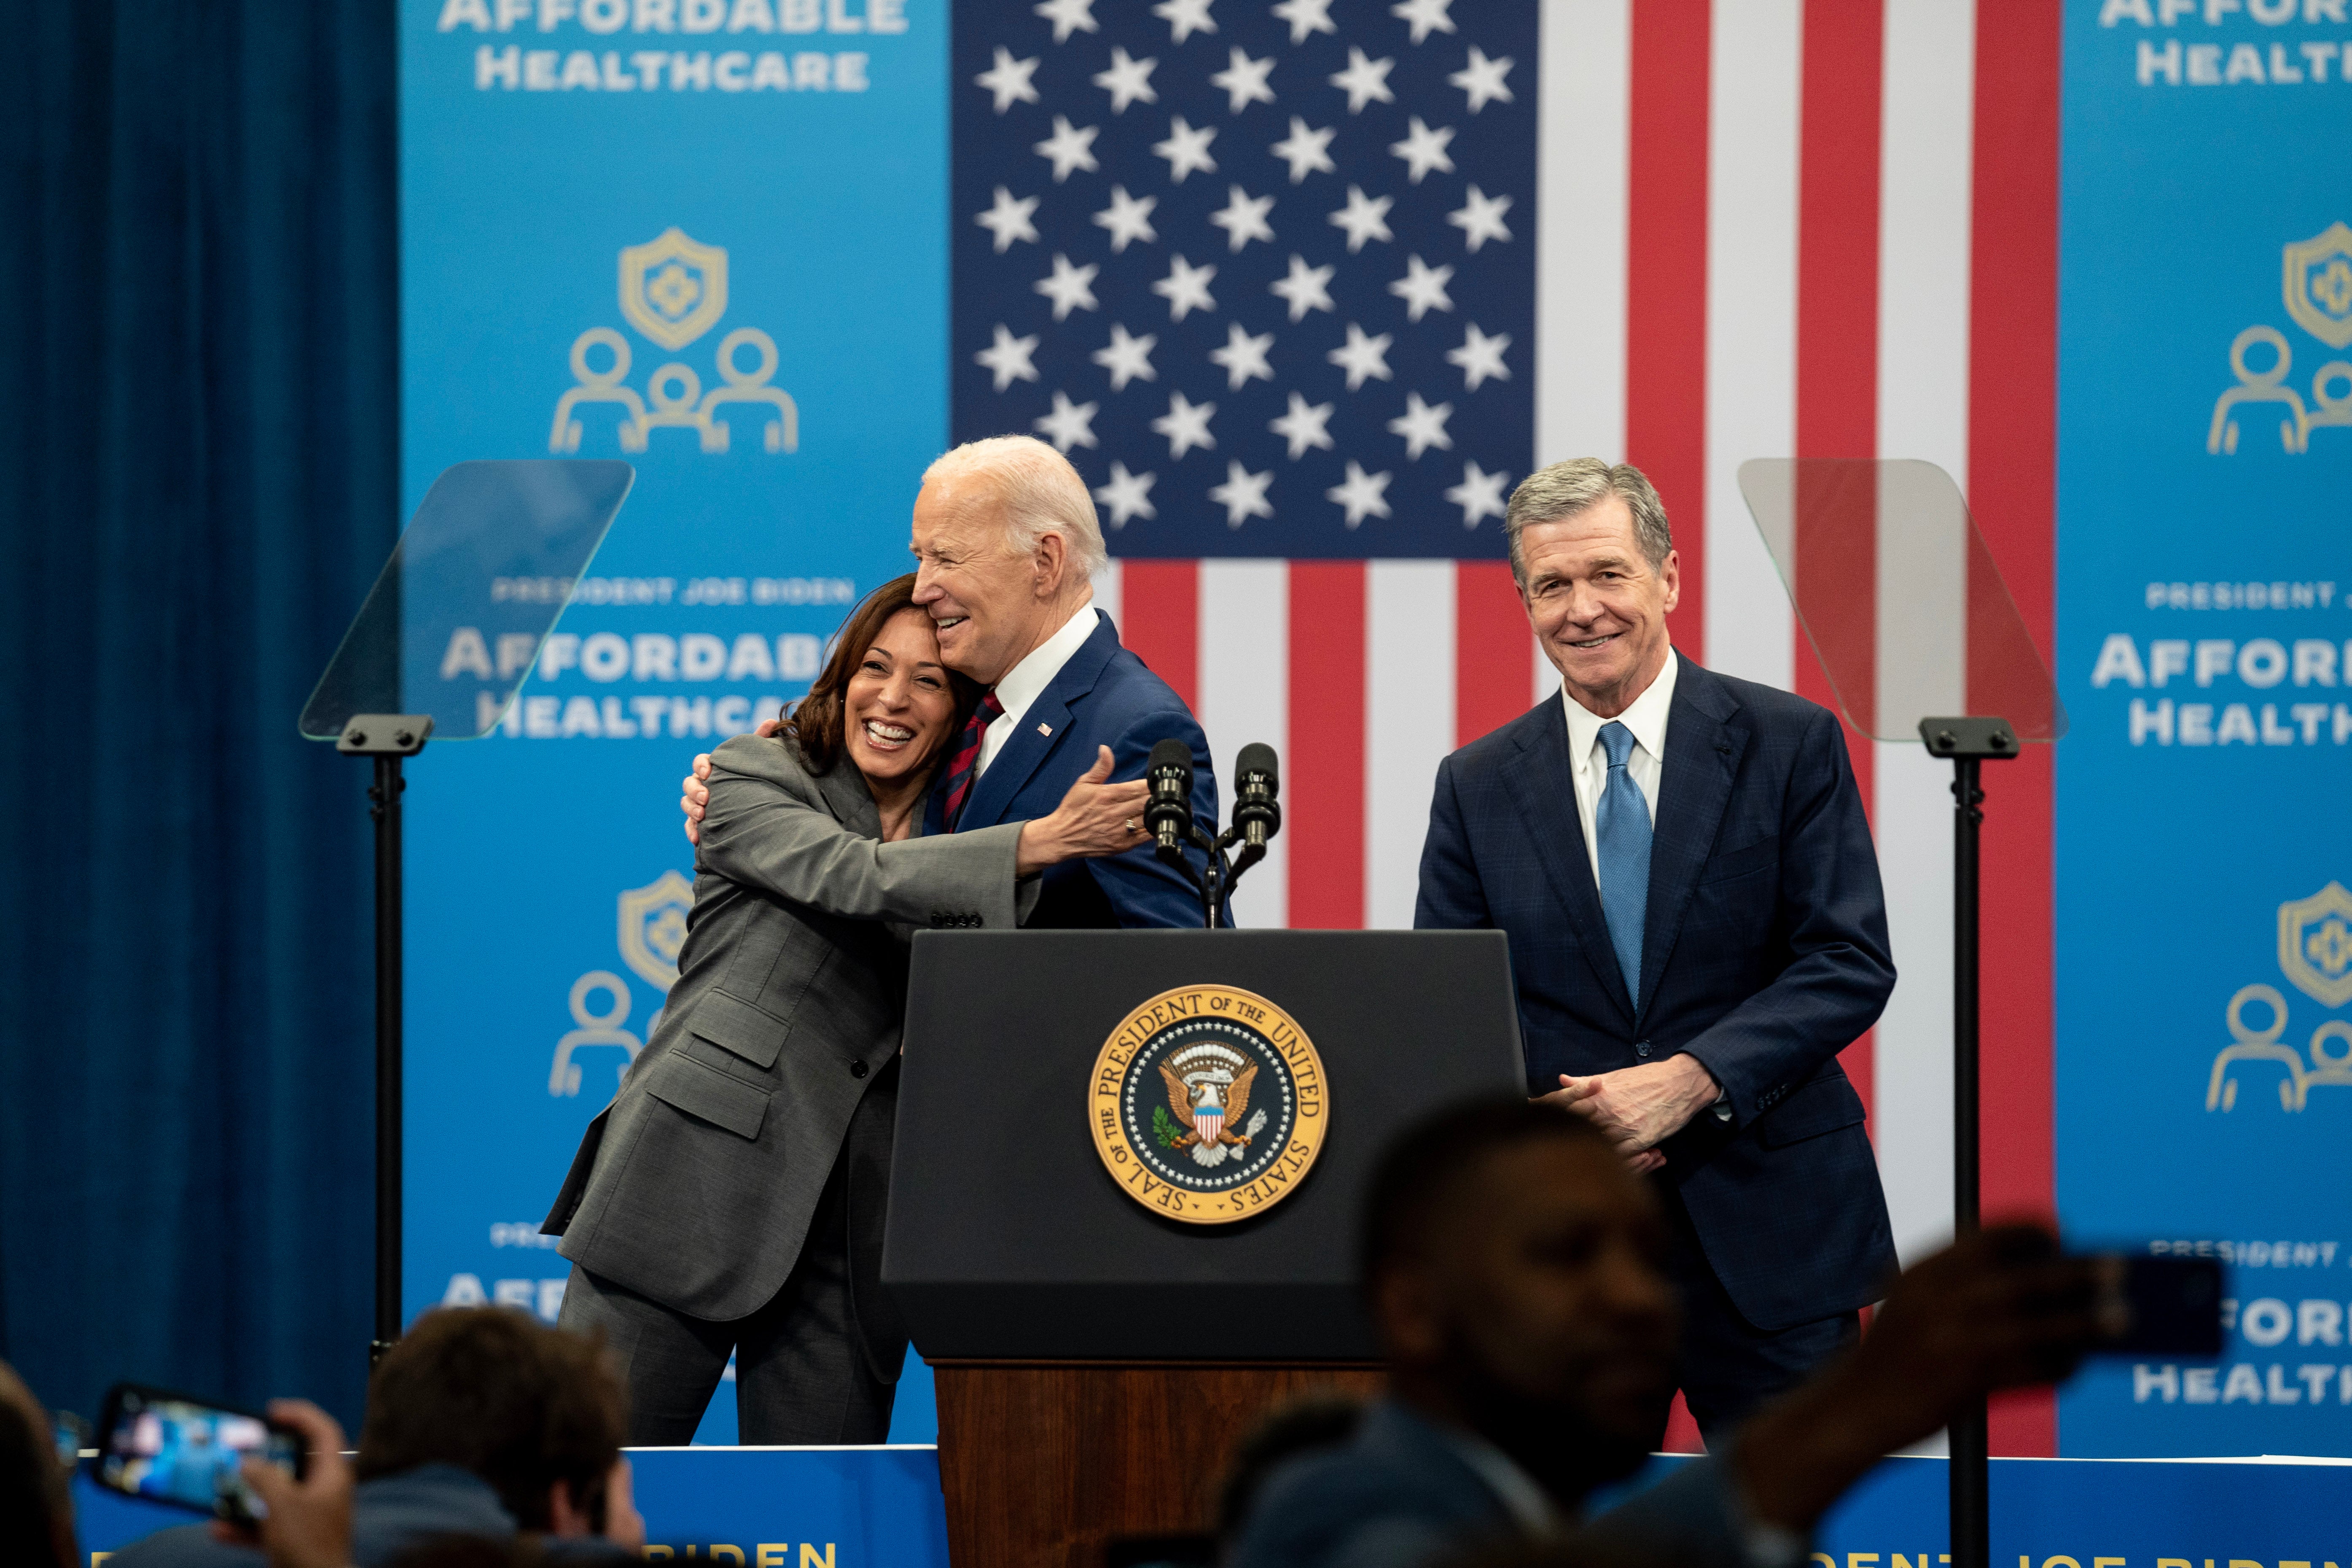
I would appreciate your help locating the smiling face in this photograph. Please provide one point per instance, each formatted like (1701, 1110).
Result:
(898, 707)
(991, 607)
(1599, 608)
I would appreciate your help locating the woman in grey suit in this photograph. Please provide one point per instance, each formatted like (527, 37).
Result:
(730, 1198)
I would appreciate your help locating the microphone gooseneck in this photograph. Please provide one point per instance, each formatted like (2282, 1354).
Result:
(1168, 817)
(1257, 782)
(1168, 813)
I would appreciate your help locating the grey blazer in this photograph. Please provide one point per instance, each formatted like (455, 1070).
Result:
(696, 1185)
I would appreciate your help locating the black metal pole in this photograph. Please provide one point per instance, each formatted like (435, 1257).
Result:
(1970, 1438)
(384, 796)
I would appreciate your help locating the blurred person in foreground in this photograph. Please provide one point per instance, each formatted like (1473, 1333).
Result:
(308, 1523)
(1309, 1424)
(37, 1524)
(730, 1198)
(480, 1422)
(1516, 1272)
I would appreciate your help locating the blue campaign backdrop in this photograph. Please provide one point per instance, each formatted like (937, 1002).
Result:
(710, 240)
(2204, 963)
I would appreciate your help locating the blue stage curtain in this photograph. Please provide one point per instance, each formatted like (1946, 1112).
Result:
(198, 478)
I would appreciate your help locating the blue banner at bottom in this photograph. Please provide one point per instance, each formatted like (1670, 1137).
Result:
(881, 1508)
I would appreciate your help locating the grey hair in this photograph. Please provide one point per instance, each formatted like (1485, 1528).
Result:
(1041, 493)
(1563, 490)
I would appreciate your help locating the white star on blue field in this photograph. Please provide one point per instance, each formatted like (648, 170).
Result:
(1265, 272)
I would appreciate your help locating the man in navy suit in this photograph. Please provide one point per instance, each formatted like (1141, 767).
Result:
(1006, 545)
(1696, 927)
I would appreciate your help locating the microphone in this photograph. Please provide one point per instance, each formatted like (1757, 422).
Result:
(1168, 811)
(1257, 782)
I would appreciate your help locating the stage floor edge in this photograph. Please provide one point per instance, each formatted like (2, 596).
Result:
(881, 1508)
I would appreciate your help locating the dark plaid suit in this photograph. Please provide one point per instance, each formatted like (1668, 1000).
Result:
(1764, 954)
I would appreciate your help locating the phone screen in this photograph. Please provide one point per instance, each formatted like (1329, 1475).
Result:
(2176, 1307)
(176, 1451)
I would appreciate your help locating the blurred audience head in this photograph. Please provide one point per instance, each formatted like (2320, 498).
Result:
(536, 1411)
(473, 1552)
(34, 1495)
(1320, 1420)
(1515, 1269)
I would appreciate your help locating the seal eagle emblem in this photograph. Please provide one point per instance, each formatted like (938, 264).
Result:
(1208, 1104)
(1205, 1103)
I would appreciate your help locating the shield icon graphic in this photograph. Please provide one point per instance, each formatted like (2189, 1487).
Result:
(653, 928)
(674, 289)
(2318, 285)
(2315, 944)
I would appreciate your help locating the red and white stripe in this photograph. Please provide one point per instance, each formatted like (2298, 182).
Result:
(1765, 228)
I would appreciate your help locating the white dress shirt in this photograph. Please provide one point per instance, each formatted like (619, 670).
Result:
(1026, 681)
(1589, 760)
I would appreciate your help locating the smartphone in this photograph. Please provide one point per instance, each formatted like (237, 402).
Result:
(171, 1449)
(2176, 1309)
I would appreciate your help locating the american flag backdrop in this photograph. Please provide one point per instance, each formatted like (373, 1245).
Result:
(1672, 232)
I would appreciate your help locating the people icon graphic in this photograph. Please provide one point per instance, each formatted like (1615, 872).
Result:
(2258, 387)
(594, 1028)
(2250, 1045)
(2315, 955)
(672, 291)
(2317, 292)
(599, 386)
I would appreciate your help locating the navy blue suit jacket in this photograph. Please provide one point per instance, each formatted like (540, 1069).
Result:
(1104, 696)
(1764, 954)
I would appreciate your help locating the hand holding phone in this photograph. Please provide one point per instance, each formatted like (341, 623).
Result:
(173, 1448)
(306, 1522)
(2172, 1307)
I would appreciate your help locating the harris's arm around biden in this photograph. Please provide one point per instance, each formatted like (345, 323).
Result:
(1101, 695)
(772, 1077)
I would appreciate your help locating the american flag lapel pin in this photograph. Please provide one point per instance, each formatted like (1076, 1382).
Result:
(1044, 728)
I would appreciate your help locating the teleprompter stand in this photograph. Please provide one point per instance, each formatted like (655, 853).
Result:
(1970, 743)
(439, 647)
(1096, 1360)
(1901, 600)
(387, 738)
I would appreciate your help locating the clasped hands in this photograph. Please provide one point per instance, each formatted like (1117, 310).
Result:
(1640, 1107)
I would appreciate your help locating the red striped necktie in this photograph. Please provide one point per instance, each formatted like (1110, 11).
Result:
(965, 767)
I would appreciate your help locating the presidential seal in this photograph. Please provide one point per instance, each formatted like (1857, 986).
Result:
(1208, 1104)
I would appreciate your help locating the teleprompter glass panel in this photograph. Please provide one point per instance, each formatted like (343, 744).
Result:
(454, 623)
(1898, 595)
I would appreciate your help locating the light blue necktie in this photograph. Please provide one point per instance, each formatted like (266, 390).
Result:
(1623, 820)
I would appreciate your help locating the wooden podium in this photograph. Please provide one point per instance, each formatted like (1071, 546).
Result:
(1096, 1360)
(1047, 1463)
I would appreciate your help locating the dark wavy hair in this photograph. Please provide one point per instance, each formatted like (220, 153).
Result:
(818, 723)
(493, 1390)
